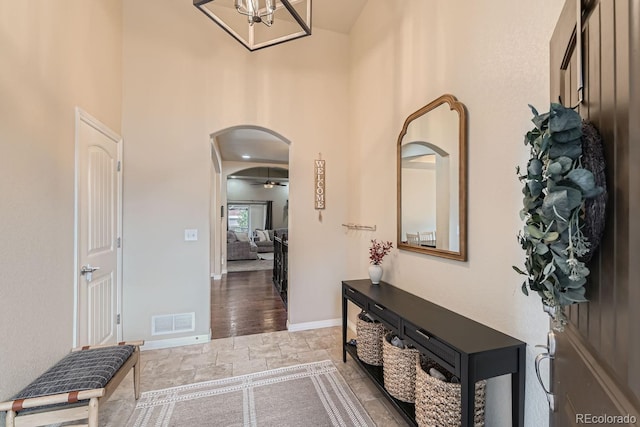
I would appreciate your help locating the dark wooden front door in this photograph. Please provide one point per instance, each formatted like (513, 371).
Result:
(596, 371)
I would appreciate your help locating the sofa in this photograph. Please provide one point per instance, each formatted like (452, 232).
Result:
(239, 246)
(264, 243)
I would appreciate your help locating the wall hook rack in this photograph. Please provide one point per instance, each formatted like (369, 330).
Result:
(351, 226)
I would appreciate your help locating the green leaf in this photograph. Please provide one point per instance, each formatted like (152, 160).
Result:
(575, 284)
(566, 163)
(572, 296)
(518, 270)
(541, 249)
(574, 196)
(554, 168)
(567, 135)
(556, 205)
(524, 288)
(535, 187)
(540, 120)
(570, 150)
(583, 178)
(549, 285)
(531, 203)
(561, 261)
(596, 191)
(563, 118)
(534, 167)
(534, 231)
(546, 141)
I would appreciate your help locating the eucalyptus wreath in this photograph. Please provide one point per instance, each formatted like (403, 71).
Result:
(556, 186)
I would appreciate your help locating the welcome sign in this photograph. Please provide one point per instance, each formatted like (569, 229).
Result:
(319, 182)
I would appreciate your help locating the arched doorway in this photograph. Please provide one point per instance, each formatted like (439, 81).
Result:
(249, 203)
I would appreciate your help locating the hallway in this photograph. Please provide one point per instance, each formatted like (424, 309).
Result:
(245, 303)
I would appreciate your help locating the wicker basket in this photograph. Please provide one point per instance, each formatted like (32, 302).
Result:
(370, 335)
(399, 370)
(438, 402)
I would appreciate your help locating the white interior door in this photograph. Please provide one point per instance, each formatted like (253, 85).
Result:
(98, 224)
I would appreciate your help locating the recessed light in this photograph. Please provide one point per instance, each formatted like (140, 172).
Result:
(246, 156)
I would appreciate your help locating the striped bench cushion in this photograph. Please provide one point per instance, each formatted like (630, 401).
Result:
(79, 370)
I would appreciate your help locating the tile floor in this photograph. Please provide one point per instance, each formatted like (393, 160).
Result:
(226, 357)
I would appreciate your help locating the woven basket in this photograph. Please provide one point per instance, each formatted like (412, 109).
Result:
(399, 370)
(594, 208)
(438, 402)
(370, 335)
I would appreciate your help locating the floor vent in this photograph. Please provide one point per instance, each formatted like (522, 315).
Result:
(173, 323)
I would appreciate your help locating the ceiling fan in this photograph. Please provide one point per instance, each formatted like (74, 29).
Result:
(270, 183)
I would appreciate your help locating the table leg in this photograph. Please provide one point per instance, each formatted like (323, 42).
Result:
(467, 394)
(344, 328)
(517, 389)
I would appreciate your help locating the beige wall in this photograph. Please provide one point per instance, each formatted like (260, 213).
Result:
(53, 59)
(493, 56)
(185, 79)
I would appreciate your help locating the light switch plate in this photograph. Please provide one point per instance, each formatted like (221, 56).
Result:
(190, 234)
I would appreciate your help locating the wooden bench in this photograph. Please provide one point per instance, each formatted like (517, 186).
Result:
(72, 388)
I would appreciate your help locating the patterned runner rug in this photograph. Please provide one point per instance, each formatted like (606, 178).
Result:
(312, 394)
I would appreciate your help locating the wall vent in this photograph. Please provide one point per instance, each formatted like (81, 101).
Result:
(173, 323)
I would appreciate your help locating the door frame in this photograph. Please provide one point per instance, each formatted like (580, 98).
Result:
(82, 116)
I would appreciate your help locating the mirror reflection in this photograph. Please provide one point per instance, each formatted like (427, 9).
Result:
(431, 169)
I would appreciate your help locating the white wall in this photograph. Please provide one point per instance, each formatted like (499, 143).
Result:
(184, 79)
(492, 55)
(53, 59)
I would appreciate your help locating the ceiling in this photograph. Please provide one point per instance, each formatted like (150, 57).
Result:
(259, 145)
(336, 15)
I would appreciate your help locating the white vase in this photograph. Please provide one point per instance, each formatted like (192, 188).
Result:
(375, 273)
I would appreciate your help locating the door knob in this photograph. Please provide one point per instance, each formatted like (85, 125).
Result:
(87, 271)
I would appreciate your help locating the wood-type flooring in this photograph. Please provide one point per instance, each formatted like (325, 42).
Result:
(246, 303)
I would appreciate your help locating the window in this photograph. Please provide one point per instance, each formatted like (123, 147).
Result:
(246, 217)
(238, 218)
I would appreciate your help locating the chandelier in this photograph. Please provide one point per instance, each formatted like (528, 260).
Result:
(283, 20)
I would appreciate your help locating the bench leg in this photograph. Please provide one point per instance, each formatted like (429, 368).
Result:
(10, 420)
(93, 412)
(136, 379)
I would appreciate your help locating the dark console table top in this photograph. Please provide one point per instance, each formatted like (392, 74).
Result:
(466, 335)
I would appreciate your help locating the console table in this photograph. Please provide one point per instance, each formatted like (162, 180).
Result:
(281, 266)
(469, 350)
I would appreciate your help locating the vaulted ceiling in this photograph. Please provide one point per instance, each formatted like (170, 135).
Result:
(259, 145)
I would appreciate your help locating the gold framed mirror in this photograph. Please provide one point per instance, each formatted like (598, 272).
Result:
(432, 180)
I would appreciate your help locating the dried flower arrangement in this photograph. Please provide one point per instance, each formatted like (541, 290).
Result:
(378, 251)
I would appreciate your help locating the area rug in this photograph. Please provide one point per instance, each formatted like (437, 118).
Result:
(312, 394)
(249, 265)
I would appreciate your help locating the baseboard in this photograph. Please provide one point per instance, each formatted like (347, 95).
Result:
(175, 342)
(313, 325)
(216, 276)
